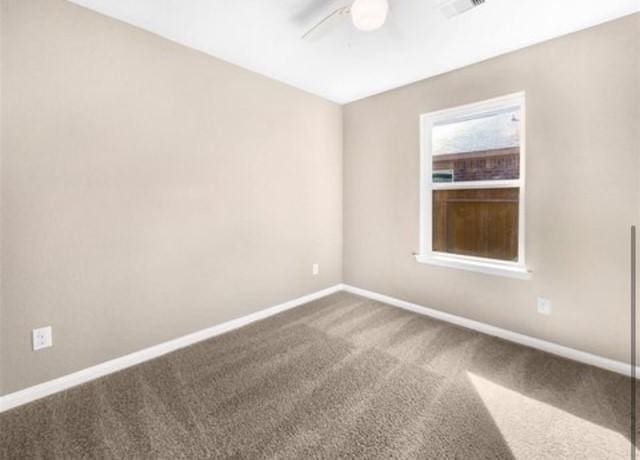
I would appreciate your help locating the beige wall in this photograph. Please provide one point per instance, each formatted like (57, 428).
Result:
(1, 137)
(150, 190)
(582, 189)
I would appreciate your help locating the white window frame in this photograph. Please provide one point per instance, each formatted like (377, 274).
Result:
(427, 255)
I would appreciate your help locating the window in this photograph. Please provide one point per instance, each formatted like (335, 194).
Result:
(472, 187)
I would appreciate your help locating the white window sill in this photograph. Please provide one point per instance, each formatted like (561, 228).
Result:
(478, 265)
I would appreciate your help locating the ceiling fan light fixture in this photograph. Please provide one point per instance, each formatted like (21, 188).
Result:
(369, 15)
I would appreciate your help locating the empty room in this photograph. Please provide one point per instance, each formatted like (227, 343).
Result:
(291, 229)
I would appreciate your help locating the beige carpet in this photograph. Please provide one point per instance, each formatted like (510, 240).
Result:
(341, 377)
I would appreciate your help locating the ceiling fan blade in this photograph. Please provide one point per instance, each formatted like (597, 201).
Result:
(342, 11)
(310, 10)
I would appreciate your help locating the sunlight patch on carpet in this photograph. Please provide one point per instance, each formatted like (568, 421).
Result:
(535, 429)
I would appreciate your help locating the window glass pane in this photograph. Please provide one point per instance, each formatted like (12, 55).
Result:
(443, 175)
(477, 222)
(486, 147)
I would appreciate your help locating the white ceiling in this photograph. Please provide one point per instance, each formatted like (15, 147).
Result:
(343, 64)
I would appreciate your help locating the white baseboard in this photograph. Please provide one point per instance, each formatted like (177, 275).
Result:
(35, 392)
(549, 347)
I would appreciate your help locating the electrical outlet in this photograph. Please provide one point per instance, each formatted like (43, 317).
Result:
(544, 306)
(42, 338)
(315, 269)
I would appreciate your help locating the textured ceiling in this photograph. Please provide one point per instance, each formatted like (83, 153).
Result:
(343, 64)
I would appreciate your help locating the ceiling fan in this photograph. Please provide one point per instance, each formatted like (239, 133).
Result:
(366, 15)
